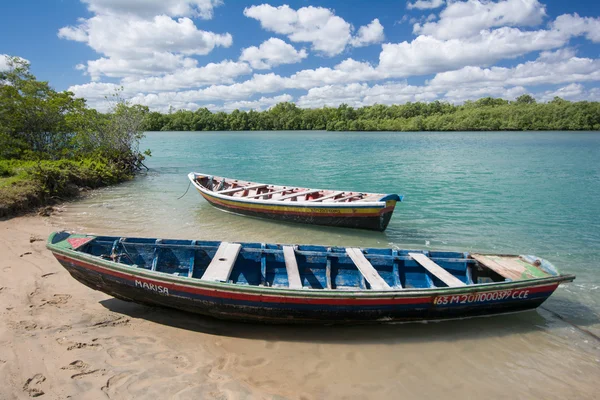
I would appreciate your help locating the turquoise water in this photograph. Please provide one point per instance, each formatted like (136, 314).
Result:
(521, 193)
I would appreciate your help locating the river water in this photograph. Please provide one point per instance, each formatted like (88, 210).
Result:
(519, 193)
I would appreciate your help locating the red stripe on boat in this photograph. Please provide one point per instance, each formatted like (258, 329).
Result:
(249, 207)
(268, 298)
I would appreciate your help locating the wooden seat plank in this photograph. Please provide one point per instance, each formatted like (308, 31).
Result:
(436, 270)
(367, 270)
(222, 263)
(507, 267)
(269, 193)
(239, 189)
(289, 196)
(329, 196)
(291, 266)
(350, 196)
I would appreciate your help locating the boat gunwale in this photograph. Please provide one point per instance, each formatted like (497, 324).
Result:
(393, 293)
(304, 203)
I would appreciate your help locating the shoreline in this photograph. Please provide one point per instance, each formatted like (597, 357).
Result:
(61, 339)
(64, 339)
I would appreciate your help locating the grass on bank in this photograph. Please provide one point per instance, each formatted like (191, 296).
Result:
(25, 185)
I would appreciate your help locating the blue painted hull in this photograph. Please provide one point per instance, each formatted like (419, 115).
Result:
(417, 307)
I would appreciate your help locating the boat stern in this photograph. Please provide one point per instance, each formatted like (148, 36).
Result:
(385, 216)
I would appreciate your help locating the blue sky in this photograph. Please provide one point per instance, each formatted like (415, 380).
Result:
(253, 54)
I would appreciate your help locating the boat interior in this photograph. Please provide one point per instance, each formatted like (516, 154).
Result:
(260, 191)
(314, 267)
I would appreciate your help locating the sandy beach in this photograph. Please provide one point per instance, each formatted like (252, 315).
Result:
(59, 340)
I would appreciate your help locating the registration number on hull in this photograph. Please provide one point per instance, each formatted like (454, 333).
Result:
(469, 298)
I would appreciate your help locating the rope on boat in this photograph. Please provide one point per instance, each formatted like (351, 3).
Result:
(186, 190)
(557, 315)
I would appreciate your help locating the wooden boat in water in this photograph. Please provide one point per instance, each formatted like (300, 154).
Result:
(306, 283)
(289, 203)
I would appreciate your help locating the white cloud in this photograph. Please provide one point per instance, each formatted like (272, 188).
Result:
(327, 32)
(76, 33)
(138, 36)
(427, 54)
(210, 74)
(150, 8)
(142, 44)
(257, 105)
(472, 82)
(460, 95)
(156, 64)
(464, 19)
(331, 95)
(368, 34)
(271, 53)
(561, 66)
(572, 92)
(361, 94)
(425, 4)
(4, 62)
(347, 71)
(95, 93)
(144, 65)
(574, 25)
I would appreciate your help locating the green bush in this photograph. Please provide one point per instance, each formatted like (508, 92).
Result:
(5, 169)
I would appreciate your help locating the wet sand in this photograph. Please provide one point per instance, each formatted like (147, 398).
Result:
(60, 339)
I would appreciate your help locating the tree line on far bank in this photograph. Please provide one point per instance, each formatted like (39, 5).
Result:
(486, 114)
(52, 145)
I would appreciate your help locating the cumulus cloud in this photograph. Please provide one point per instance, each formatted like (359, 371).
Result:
(460, 95)
(4, 62)
(572, 92)
(328, 33)
(368, 34)
(156, 63)
(340, 84)
(463, 19)
(257, 105)
(427, 54)
(561, 66)
(150, 8)
(361, 94)
(425, 4)
(271, 53)
(144, 65)
(145, 45)
(210, 74)
(574, 25)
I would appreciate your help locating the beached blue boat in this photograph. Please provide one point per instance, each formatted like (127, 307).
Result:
(305, 283)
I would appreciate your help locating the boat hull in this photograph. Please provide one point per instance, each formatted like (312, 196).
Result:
(234, 303)
(354, 216)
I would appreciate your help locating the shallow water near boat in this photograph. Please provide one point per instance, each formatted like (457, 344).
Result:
(520, 193)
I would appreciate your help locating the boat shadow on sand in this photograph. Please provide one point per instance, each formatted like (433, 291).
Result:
(538, 320)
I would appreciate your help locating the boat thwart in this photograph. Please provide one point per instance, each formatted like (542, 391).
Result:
(305, 283)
